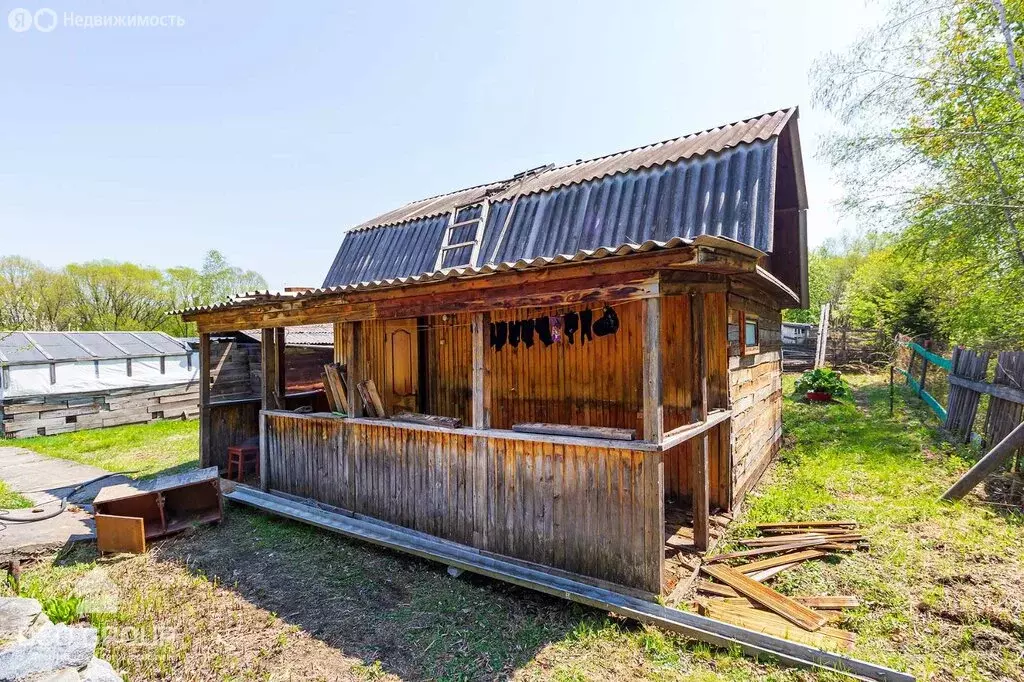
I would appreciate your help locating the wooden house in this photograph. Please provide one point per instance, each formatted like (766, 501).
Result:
(608, 332)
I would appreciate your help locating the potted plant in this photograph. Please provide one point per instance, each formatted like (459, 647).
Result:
(822, 385)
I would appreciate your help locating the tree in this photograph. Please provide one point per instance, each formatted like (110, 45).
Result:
(931, 148)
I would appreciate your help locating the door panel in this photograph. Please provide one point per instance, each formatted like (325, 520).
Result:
(402, 368)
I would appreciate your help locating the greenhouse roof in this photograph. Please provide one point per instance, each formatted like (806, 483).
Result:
(20, 348)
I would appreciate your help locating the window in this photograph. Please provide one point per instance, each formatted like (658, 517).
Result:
(743, 333)
(750, 333)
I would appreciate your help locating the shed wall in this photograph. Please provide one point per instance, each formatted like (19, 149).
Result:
(755, 390)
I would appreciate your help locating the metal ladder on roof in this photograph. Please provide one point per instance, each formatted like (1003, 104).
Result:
(446, 244)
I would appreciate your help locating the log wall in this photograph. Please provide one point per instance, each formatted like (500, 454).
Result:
(588, 509)
(49, 415)
(755, 392)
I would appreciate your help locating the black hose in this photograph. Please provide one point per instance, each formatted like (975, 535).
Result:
(5, 515)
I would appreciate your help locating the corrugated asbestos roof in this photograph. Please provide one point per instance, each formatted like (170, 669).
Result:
(257, 297)
(718, 182)
(301, 335)
(42, 347)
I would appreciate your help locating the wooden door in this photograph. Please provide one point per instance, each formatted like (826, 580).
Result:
(401, 367)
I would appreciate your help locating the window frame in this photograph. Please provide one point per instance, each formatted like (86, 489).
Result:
(740, 319)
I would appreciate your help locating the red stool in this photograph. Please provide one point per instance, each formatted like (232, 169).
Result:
(239, 456)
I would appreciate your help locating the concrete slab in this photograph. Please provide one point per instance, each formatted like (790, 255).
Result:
(44, 481)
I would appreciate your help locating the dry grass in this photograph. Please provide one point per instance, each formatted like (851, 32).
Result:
(262, 598)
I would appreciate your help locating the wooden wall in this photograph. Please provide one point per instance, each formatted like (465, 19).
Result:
(591, 510)
(233, 423)
(755, 389)
(678, 350)
(234, 370)
(447, 365)
(49, 415)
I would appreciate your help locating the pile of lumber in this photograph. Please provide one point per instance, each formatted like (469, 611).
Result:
(734, 591)
(52, 414)
(335, 379)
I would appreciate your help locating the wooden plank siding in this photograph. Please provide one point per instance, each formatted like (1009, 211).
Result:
(755, 390)
(591, 510)
(231, 423)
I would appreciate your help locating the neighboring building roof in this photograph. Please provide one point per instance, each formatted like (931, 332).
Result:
(302, 335)
(719, 182)
(41, 347)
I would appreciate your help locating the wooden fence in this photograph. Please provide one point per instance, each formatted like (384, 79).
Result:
(848, 348)
(971, 394)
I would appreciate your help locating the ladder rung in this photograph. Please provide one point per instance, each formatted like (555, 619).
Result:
(458, 246)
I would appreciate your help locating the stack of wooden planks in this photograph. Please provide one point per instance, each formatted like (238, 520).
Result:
(734, 591)
(335, 381)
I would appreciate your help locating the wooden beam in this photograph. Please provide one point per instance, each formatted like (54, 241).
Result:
(204, 400)
(352, 333)
(481, 381)
(986, 465)
(268, 368)
(699, 465)
(1001, 391)
(766, 597)
(654, 411)
(607, 279)
(280, 376)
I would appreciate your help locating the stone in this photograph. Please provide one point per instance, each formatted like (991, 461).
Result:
(99, 670)
(51, 648)
(63, 675)
(17, 617)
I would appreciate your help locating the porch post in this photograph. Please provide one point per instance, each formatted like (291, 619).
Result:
(699, 454)
(204, 400)
(281, 374)
(654, 416)
(352, 333)
(270, 368)
(481, 372)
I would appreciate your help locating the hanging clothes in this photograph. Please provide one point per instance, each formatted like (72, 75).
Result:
(586, 325)
(572, 325)
(499, 335)
(515, 330)
(555, 322)
(608, 324)
(543, 327)
(527, 332)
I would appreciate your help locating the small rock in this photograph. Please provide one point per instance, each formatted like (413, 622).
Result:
(99, 670)
(52, 648)
(454, 572)
(17, 616)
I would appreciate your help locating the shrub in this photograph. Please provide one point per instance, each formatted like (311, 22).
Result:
(823, 380)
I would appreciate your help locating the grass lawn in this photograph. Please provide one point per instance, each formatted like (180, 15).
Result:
(262, 598)
(161, 447)
(10, 499)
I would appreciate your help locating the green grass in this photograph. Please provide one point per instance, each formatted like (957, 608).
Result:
(10, 499)
(160, 447)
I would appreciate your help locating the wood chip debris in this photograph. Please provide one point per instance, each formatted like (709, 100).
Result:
(735, 593)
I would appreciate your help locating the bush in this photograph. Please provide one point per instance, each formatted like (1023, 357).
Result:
(823, 380)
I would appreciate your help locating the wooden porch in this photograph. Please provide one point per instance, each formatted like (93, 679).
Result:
(609, 510)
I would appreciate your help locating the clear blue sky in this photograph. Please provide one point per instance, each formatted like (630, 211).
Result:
(265, 129)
